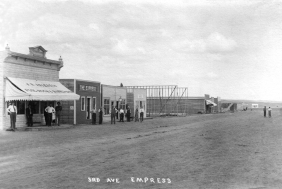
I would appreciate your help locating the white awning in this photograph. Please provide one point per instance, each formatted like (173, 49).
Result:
(209, 102)
(27, 89)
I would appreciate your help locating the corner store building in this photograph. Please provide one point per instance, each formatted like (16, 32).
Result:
(29, 79)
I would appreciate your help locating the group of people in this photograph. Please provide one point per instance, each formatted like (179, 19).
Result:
(94, 114)
(127, 113)
(269, 111)
(53, 115)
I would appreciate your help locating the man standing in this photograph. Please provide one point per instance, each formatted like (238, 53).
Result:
(29, 114)
(94, 116)
(128, 113)
(264, 111)
(121, 116)
(49, 110)
(100, 115)
(141, 114)
(113, 115)
(12, 110)
(58, 110)
(136, 114)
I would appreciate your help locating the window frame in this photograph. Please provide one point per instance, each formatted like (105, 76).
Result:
(106, 105)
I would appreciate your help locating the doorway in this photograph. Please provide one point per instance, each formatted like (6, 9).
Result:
(88, 108)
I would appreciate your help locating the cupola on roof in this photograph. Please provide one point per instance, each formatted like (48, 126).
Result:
(37, 51)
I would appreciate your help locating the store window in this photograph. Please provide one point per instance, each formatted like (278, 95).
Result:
(122, 104)
(21, 107)
(106, 106)
(34, 106)
(83, 103)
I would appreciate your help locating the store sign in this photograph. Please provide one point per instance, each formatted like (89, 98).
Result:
(87, 88)
(39, 87)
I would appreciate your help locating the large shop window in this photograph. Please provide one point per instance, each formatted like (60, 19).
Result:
(21, 107)
(122, 104)
(34, 106)
(83, 103)
(106, 106)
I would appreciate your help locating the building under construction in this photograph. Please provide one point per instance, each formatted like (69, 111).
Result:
(165, 99)
(174, 100)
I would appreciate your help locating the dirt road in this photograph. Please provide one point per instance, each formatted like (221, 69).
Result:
(228, 151)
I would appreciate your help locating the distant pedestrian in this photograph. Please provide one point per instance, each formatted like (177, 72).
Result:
(128, 113)
(113, 115)
(269, 112)
(29, 115)
(116, 112)
(141, 114)
(121, 115)
(264, 111)
(100, 116)
(12, 111)
(136, 114)
(58, 110)
(94, 116)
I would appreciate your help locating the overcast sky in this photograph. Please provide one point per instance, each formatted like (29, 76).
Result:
(230, 49)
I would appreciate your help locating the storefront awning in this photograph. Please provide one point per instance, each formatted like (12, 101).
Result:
(27, 89)
(211, 103)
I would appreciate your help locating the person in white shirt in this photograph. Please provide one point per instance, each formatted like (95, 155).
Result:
(12, 110)
(121, 112)
(50, 110)
(141, 114)
(269, 112)
(93, 116)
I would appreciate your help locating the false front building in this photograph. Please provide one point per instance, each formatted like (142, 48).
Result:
(30, 79)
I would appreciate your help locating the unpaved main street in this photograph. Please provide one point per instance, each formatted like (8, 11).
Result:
(228, 151)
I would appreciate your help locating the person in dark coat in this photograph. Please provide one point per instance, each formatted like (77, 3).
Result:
(128, 114)
(29, 115)
(264, 111)
(58, 110)
(141, 114)
(136, 115)
(113, 115)
(100, 116)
